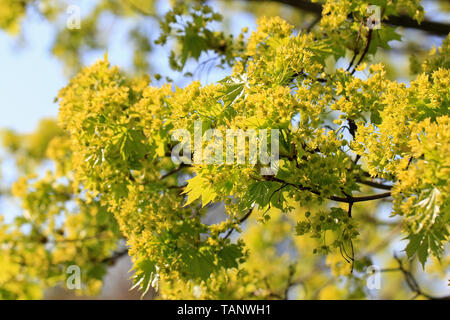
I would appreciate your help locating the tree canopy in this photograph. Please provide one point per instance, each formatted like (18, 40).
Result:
(354, 142)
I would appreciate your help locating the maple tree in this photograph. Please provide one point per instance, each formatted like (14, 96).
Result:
(351, 139)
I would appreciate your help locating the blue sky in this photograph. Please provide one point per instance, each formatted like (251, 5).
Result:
(29, 79)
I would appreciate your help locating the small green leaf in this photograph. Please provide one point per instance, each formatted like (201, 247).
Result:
(145, 275)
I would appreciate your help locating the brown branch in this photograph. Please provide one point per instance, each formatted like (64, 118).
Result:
(245, 217)
(348, 199)
(349, 212)
(352, 127)
(369, 198)
(432, 27)
(171, 172)
(355, 54)
(412, 282)
(366, 49)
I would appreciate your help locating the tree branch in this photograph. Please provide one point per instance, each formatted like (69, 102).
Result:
(181, 166)
(432, 27)
(412, 282)
(245, 217)
(348, 199)
(366, 49)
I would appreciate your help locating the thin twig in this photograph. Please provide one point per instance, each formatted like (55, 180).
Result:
(348, 199)
(413, 284)
(245, 217)
(366, 49)
(402, 20)
(171, 172)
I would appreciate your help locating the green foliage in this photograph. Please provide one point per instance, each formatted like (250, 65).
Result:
(341, 138)
(189, 25)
